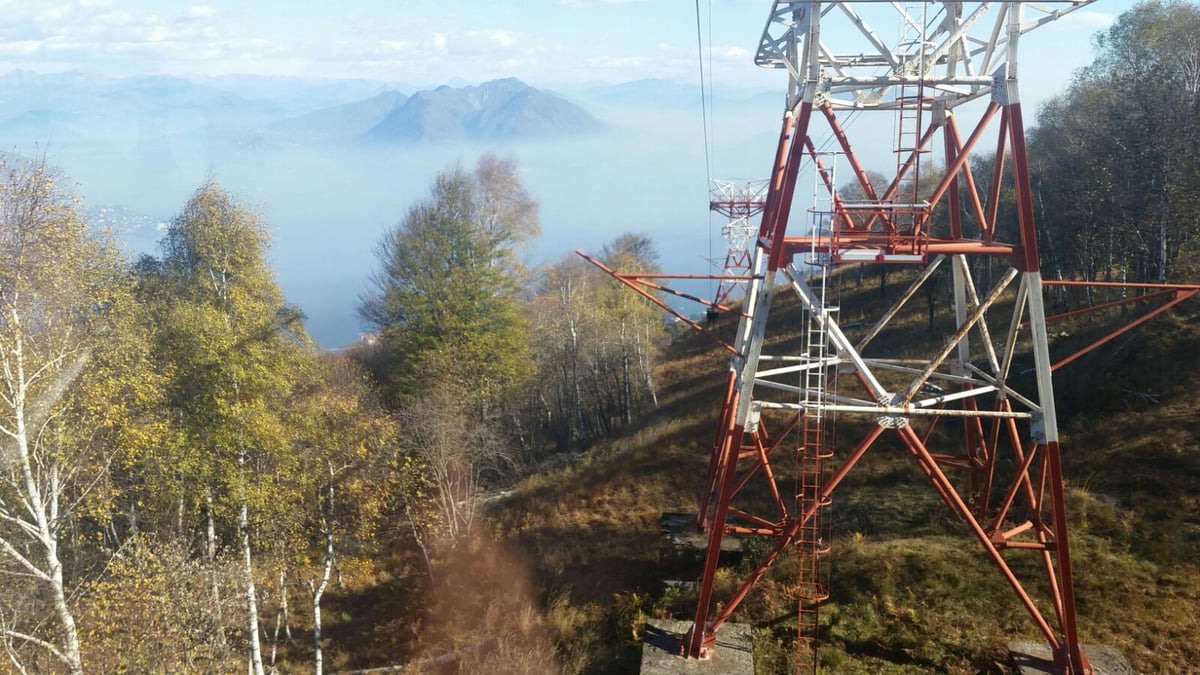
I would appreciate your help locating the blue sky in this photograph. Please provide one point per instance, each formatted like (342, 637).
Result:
(545, 42)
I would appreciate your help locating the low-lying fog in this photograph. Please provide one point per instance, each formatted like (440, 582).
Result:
(327, 203)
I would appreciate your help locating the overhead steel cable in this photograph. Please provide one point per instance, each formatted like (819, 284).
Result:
(705, 103)
(704, 100)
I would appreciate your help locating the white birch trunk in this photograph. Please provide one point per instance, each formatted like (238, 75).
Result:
(626, 385)
(324, 511)
(41, 508)
(317, 594)
(646, 367)
(281, 618)
(256, 662)
(210, 552)
(283, 606)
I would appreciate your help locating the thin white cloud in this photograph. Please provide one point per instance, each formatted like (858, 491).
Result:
(51, 14)
(20, 48)
(204, 36)
(731, 53)
(158, 34)
(258, 45)
(496, 36)
(394, 46)
(201, 12)
(100, 35)
(618, 62)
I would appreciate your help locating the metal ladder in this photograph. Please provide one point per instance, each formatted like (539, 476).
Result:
(812, 541)
(910, 108)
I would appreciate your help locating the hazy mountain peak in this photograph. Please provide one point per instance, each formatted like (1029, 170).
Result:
(499, 109)
(504, 83)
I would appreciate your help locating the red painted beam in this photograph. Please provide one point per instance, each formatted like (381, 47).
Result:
(1027, 260)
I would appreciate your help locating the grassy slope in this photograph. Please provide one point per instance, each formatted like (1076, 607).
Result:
(911, 592)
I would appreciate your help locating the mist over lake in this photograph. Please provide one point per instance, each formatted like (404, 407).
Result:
(328, 200)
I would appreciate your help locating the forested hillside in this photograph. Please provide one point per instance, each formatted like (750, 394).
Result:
(1116, 158)
(188, 484)
(188, 479)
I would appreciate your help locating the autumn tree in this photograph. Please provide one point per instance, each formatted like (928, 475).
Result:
(63, 302)
(231, 345)
(275, 459)
(595, 346)
(1114, 160)
(636, 324)
(567, 319)
(347, 438)
(456, 455)
(151, 610)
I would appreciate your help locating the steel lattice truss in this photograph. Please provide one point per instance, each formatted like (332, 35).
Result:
(1002, 474)
(740, 203)
(957, 50)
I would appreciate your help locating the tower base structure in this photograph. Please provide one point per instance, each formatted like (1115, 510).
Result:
(1034, 658)
(733, 653)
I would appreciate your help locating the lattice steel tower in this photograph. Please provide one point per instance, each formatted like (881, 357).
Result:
(1001, 472)
(740, 204)
(947, 54)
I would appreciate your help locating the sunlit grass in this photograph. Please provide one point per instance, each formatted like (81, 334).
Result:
(911, 591)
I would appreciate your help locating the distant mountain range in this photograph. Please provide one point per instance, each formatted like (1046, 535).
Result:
(496, 110)
(348, 120)
(70, 108)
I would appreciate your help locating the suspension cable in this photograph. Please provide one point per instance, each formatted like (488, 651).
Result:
(705, 104)
(703, 96)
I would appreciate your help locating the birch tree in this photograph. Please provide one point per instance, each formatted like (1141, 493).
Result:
(347, 440)
(60, 298)
(565, 311)
(233, 347)
(636, 321)
(457, 453)
(595, 346)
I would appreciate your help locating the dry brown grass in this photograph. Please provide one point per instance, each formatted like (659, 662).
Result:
(912, 593)
(570, 568)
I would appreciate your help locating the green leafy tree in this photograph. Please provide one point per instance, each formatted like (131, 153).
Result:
(445, 297)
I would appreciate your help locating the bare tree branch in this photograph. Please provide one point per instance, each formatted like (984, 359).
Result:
(39, 642)
(23, 561)
(27, 527)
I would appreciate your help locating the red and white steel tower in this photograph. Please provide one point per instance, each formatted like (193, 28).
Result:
(1002, 476)
(740, 204)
